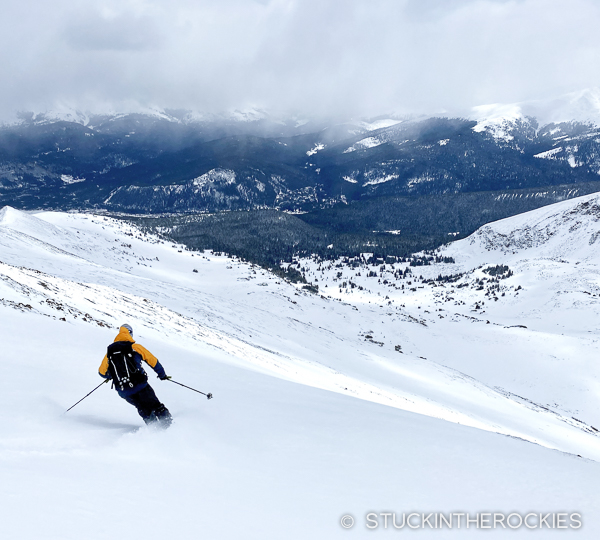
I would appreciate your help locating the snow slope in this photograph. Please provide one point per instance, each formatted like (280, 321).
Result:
(532, 335)
(311, 418)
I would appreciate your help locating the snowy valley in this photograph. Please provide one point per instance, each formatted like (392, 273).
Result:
(466, 384)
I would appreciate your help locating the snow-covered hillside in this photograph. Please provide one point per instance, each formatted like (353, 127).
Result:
(399, 394)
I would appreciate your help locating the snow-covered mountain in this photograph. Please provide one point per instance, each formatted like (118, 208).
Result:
(150, 160)
(142, 163)
(581, 107)
(568, 127)
(451, 387)
(567, 230)
(66, 113)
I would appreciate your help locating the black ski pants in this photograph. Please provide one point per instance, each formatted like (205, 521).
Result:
(146, 402)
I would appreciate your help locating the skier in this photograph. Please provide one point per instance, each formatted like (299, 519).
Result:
(123, 364)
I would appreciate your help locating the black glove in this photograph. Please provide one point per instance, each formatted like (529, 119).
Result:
(165, 377)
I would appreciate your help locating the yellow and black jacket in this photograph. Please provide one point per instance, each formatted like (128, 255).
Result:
(140, 353)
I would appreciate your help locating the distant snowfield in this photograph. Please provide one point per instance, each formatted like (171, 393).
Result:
(363, 144)
(352, 402)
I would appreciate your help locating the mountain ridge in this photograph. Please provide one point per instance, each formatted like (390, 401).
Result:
(175, 162)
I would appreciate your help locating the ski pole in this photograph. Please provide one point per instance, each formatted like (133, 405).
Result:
(209, 395)
(103, 382)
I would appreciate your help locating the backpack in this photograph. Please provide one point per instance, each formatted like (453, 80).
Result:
(122, 366)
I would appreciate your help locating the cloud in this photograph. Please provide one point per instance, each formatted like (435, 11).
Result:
(123, 32)
(346, 57)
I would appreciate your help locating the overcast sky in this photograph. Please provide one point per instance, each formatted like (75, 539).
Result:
(354, 57)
